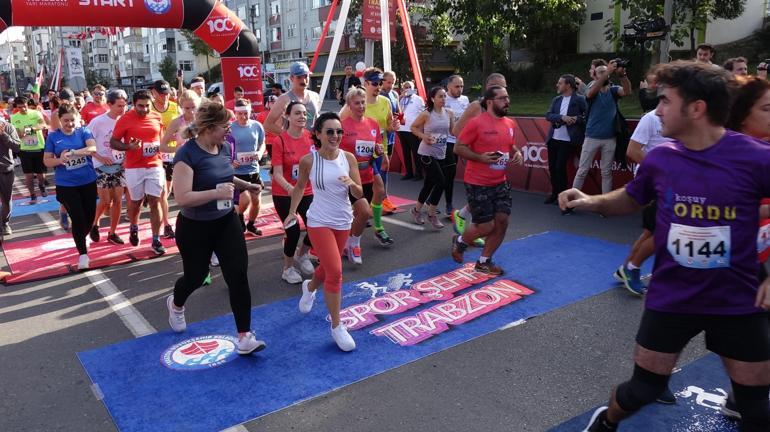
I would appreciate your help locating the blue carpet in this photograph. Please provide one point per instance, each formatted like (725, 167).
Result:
(220, 389)
(21, 207)
(700, 386)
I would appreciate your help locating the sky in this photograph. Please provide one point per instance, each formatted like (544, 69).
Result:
(15, 33)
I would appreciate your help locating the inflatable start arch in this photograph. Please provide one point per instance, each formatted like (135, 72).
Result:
(211, 20)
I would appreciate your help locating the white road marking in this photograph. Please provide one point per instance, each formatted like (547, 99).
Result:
(400, 223)
(237, 428)
(512, 324)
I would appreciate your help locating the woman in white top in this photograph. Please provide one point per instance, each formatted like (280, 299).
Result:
(411, 106)
(334, 174)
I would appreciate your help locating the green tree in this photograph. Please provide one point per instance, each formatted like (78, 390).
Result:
(167, 68)
(199, 47)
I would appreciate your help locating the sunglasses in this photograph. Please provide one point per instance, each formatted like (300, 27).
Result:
(378, 83)
(331, 132)
(98, 94)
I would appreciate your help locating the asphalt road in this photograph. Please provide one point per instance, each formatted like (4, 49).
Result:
(526, 378)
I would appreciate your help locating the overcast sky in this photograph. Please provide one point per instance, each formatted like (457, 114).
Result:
(15, 33)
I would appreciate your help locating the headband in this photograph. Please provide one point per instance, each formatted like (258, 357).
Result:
(242, 109)
(198, 84)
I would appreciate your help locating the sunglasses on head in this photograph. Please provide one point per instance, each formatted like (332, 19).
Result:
(332, 132)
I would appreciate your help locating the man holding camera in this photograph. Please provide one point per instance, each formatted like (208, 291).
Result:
(601, 130)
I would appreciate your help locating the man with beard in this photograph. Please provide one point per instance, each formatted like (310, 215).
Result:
(300, 78)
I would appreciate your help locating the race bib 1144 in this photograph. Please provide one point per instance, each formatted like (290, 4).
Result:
(700, 247)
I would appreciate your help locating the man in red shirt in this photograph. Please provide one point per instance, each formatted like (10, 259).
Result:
(487, 143)
(138, 133)
(96, 107)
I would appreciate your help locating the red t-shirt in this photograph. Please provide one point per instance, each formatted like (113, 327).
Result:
(359, 139)
(287, 151)
(270, 138)
(91, 110)
(146, 129)
(485, 133)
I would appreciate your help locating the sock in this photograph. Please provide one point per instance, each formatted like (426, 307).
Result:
(377, 213)
(134, 227)
(465, 212)
(354, 241)
(460, 240)
(631, 266)
(155, 237)
(483, 259)
(606, 423)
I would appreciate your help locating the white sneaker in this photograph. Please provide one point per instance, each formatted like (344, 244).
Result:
(305, 264)
(175, 318)
(291, 275)
(344, 341)
(307, 299)
(248, 344)
(354, 254)
(83, 262)
(214, 260)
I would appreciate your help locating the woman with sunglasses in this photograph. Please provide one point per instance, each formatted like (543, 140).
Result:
(334, 176)
(291, 146)
(204, 184)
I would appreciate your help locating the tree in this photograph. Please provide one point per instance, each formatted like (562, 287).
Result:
(198, 46)
(167, 68)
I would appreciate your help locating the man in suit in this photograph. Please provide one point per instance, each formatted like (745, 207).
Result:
(567, 116)
(346, 83)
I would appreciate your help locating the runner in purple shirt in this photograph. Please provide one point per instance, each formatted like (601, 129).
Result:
(708, 184)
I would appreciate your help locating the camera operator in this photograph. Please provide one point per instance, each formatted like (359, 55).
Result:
(601, 132)
(648, 93)
(582, 87)
(762, 69)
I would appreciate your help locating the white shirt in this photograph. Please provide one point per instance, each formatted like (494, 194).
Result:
(649, 133)
(561, 133)
(458, 106)
(101, 127)
(411, 106)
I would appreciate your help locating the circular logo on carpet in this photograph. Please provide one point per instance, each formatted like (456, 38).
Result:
(202, 352)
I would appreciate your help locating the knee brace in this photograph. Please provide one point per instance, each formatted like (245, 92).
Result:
(752, 402)
(643, 388)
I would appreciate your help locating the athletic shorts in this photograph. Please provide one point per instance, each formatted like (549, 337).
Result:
(368, 193)
(739, 337)
(251, 178)
(648, 216)
(141, 181)
(168, 168)
(32, 162)
(486, 201)
(109, 180)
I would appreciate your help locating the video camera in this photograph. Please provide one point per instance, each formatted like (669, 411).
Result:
(644, 30)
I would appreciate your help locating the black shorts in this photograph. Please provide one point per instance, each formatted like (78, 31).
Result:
(368, 193)
(738, 337)
(251, 178)
(168, 168)
(486, 201)
(648, 216)
(32, 162)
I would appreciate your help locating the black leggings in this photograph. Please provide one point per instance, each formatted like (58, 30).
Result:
(558, 156)
(80, 203)
(409, 145)
(196, 241)
(449, 165)
(282, 205)
(435, 181)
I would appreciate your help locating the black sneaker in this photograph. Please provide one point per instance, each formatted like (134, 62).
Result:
(168, 232)
(458, 249)
(383, 237)
(599, 423)
(94, 234)
(33, 199)
(488, 267)
(114, 239)
(43, 192)
(667, 397)
(133, 236)
(252, 229)
(158, 248)
(730, 408)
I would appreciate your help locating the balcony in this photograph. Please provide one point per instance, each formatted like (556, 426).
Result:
(277, 45)
(274, 19)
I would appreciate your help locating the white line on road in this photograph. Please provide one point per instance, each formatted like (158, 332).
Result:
(400, 223)
(513, 324)
(237, 428)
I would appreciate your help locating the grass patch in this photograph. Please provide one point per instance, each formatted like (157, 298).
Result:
(537, 104)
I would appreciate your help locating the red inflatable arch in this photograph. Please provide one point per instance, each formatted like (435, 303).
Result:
(209, 19)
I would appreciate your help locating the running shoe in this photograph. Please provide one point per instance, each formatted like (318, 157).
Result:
(158, 248)
(433, 219)
(383, 237)
(388, 207)
(632, 281)
(459, 222)
(305, 265)
(354, 254)
(619, 274)
(458, 249)
(208, 280)
(64, 221)
(479, 242)
(729, 408)
(133, 236)
(307, 299)
(598, 422)
(168, 232)
(343, 339)
(214, 260)
(94, 234)
(248, 343)
(450, 211)
(175, 317)
(43, 191)
(417, 216)
(253, 229)
(488, 267)
(7, 230)
(32, 199)
(114, 239)
(666, 398)
(83, 262)
(291, 275)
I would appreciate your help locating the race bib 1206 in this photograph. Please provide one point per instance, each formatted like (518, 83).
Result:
(699, 247)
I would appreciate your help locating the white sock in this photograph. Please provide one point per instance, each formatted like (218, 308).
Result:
(355, 241)
(460, 240)
(483, 259)
(631, 266)
(465, 212)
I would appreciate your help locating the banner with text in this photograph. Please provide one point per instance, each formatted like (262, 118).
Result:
(372, 25)
(247, 73)
(123, 13)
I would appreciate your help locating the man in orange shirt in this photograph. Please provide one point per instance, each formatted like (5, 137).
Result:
(138, 133)
(96, 107)
(487, 143)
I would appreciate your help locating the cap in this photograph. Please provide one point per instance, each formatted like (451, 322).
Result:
(161, 86)
(373, 76)
(299, 68)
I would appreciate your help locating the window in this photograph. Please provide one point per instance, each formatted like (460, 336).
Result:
(258, 34)
(317, 32)
(291, 31)
(275, 34)
(74, 43)
(597, 16)
(254, 11)
(321, 3)
(332, 26)
(101, 43)
(100, 58)
(275, 8)
(242, 13)
(181, 45)
(186, 65)
(170, 44)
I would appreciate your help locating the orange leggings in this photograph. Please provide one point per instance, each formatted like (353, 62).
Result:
(328, 245)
